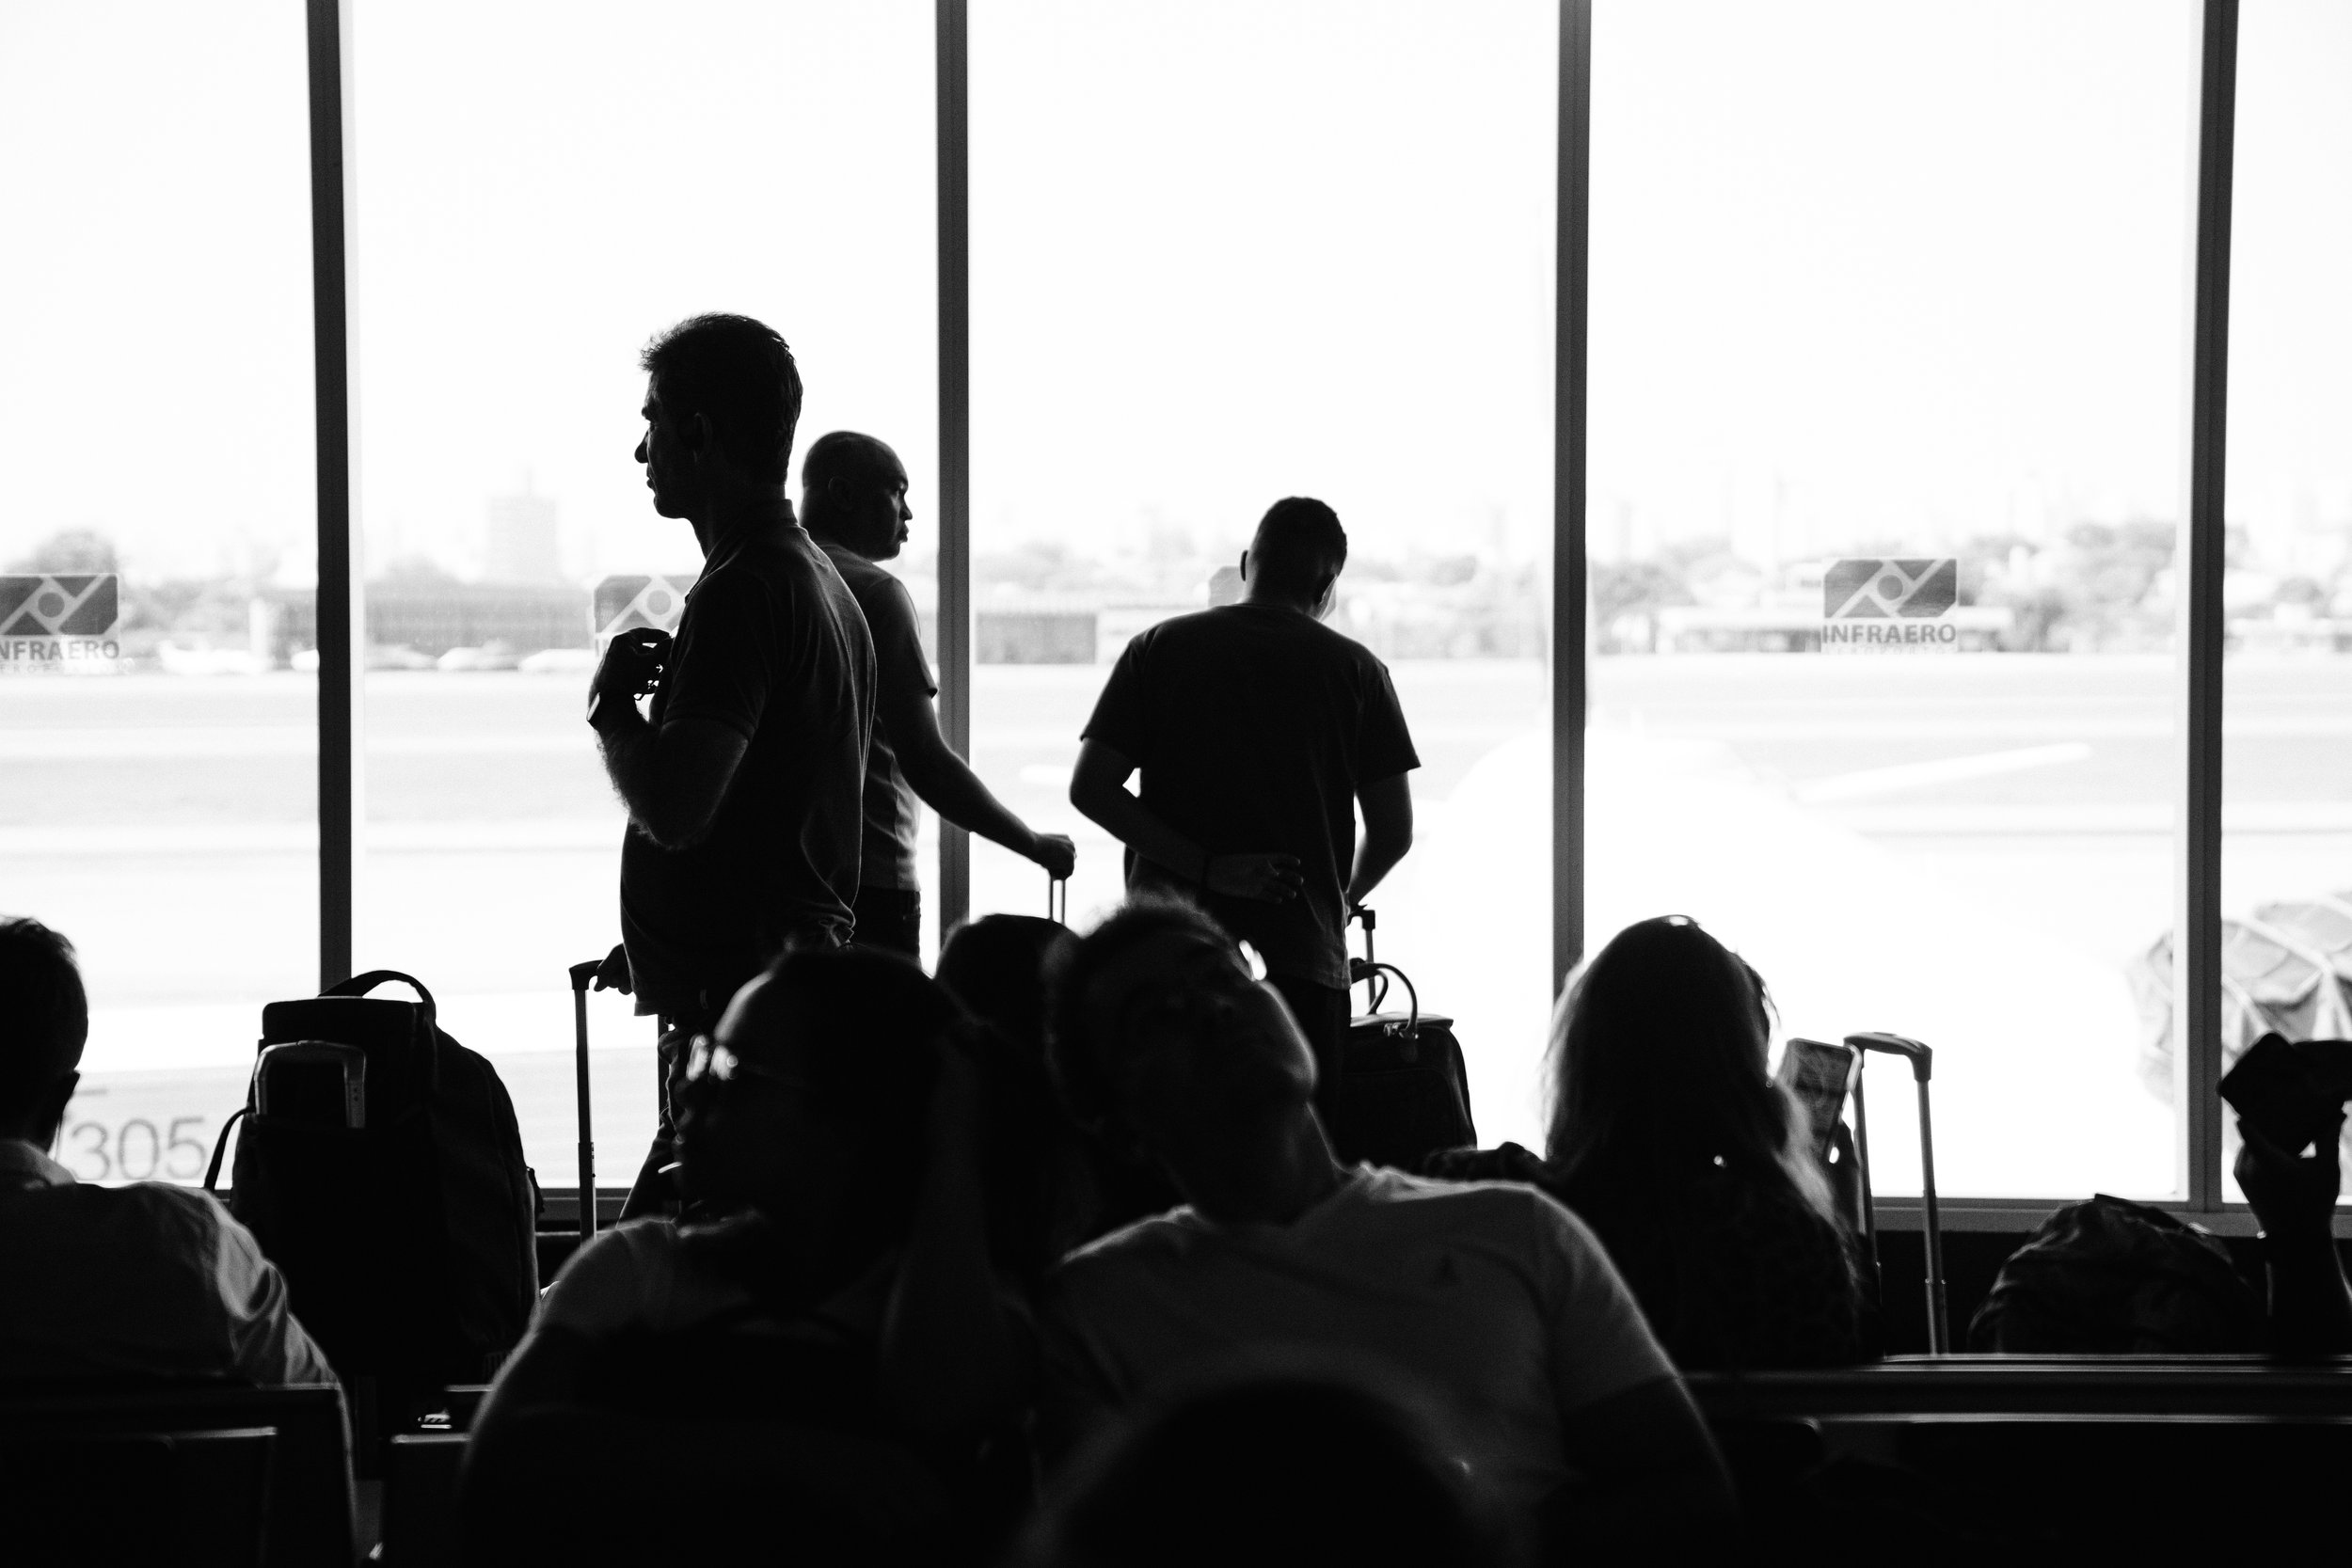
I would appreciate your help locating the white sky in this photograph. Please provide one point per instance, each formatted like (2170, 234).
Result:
(1862, 271)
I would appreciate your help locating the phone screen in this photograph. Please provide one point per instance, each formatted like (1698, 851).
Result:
(1821, 1074)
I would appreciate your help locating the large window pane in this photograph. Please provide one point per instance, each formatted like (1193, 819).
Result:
(1232, 252)
(155, 421)
(1901, 283)
(2287, 593)
(532, 206)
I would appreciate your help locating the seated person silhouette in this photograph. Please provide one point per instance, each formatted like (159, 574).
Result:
(1261, 733)
(823, 1346)
(1290, 1464)
(1670, 1140)
(1052, 1184)
(1552, 1396)
(147, 1280)
(853, 500)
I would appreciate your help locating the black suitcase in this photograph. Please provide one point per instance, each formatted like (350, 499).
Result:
(381, 1169)
(1404, 1092)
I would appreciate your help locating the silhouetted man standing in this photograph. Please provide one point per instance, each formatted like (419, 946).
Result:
(744, 786)
(1260, 731)
(853, 498)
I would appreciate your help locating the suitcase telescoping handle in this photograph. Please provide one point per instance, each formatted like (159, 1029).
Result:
(582, 974)
(1922, 1068)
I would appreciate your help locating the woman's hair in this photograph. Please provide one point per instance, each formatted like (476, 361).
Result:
(1658, 1064)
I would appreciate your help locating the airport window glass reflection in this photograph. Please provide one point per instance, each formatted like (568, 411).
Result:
(532, 207)
(1228, 252)
(1886, 373)
(2286, 586)
(157, 691)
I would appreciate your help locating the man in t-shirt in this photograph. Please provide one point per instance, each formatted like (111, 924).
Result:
(107, 1282)
(744, 787)
(1489, 1299)
(854, 499)
(1260, 731)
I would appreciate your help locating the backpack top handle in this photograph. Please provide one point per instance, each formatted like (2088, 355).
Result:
(359, 985)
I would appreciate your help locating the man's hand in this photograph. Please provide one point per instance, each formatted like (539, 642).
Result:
(632, 665)
(614, 973)
(1055, 852)
(1269, 879)
(2292, 1195)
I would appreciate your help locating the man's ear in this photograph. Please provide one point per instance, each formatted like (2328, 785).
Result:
(1245, 565)
(1327, 596)
(49, 1114)
(696, 436)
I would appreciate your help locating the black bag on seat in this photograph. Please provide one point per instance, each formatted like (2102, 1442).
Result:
(1404, 1090)
(404, 1227)
(2114, 1278)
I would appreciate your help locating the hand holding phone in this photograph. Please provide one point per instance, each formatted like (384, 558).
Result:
(633, 666)
(1820, 1075)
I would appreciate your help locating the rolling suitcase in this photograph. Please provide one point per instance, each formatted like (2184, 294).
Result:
(1403, 1092)
(1824, 1087)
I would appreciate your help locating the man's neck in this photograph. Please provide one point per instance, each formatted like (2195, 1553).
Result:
(743, 515)
(1267, 598)
(1267, 1181)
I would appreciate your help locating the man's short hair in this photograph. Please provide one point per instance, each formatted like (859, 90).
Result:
(1299, 546)
(849, 454)
(1079, 1062)
(739, 373)
(44, 1013)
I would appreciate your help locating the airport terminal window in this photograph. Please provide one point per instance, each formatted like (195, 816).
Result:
(530, 209)
(2287, 591)
(1228, 252)
(1885, 414)
(157, 694)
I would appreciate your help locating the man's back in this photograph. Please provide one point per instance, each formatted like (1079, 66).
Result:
(144, 1280)
(772, 646)
(1255, 725)
(1492, 1298)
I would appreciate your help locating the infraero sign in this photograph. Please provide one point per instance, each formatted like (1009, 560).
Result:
(59, 624)
(1878, 605)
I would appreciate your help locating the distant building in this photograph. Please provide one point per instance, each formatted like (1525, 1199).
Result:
(522, 543)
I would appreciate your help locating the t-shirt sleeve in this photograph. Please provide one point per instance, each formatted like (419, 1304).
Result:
(1384, 747)
(620, 1277)
(899, 662)
(1601, 1344)
(720, 669)
(1120, 719)
(268, 1346)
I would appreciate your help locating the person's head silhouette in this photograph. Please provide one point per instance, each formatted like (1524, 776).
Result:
(1295, 557)
(44, 1021)
(853, 491)
(723, 398)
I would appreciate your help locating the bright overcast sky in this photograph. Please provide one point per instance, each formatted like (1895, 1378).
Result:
(1862, 271)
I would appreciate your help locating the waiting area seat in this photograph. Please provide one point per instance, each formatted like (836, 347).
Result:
(242, 1474)
(2041, 1458)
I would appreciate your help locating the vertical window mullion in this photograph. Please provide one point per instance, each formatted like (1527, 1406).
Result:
(341, 602)
(2197, 884)
(1568, 639)
(955, 435)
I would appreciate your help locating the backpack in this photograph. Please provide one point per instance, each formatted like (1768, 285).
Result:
(405, 1228)
(2112, 1277)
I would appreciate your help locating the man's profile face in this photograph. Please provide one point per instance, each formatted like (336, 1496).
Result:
(1196, 1043)
(668, 467)
(874, 513)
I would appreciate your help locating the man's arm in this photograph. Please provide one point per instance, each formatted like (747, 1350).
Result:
(1098, 787)
(2310, 1308)
(1387, 808)
(948, 786)
(671, 779)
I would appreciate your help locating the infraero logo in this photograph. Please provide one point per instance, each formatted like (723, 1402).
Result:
(62, 621)
(1880, 605)
(626, 602)
(78, 605)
